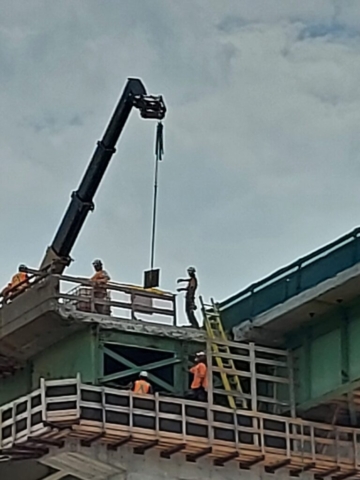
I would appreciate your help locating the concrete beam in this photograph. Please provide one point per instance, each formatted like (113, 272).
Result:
(133, 326)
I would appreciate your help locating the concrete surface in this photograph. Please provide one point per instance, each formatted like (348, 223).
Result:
(74, 462)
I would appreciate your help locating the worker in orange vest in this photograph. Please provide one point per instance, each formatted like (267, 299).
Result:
(199, 384)
(100, 280)
(142, 386)
(18, 283)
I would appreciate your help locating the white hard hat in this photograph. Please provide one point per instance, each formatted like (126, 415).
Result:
(143, 374)
(200, 354)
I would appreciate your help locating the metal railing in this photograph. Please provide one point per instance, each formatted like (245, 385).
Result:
(117, 300)
(266, 376)
(109, 415)
(293, 279)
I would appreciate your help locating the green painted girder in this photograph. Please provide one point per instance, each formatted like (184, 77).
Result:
(133, 369)
(152, 342)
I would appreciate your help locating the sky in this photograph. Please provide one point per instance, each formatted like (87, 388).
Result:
(262, 144)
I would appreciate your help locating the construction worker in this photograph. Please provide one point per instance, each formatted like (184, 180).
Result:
(18, 283)
(99, 281)
(199, 385)
(142, 386)
(190, 290)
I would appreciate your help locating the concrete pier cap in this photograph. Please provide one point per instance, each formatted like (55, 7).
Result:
(76, 462)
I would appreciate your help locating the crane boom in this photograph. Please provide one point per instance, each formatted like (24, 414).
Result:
(57, 255)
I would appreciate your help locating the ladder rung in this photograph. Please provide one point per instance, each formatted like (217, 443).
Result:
(231, 381)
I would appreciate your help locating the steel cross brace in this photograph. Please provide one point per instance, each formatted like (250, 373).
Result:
(133, 368)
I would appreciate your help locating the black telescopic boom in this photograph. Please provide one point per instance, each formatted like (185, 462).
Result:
(134, 95)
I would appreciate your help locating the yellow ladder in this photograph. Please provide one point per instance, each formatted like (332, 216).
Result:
(215, 331)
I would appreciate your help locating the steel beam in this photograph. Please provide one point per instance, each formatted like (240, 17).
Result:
(133, 368)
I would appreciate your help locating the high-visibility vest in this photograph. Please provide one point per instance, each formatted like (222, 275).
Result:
(100, 279)
(19, 278)
(102, 275)
(142, 387)
(200, 376)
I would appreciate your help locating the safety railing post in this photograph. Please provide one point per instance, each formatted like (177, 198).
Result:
(131, 412)
(209, 372)
(183, 421)
(13, 424)
(28, 415)
(261, 437)
(336, 444)
(157, 415)
(175, 311)
(78, 395)
(313, 443)
(103, 410)
(287, 436)
(237, 432)
(132, 300)
(92, 300)
(355, 448)
(43, 399)
(291, 376)
(253, 383)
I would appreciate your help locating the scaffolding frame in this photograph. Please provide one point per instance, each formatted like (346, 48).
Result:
(67, 409)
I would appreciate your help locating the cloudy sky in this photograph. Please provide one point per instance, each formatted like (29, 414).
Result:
(262, 136)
